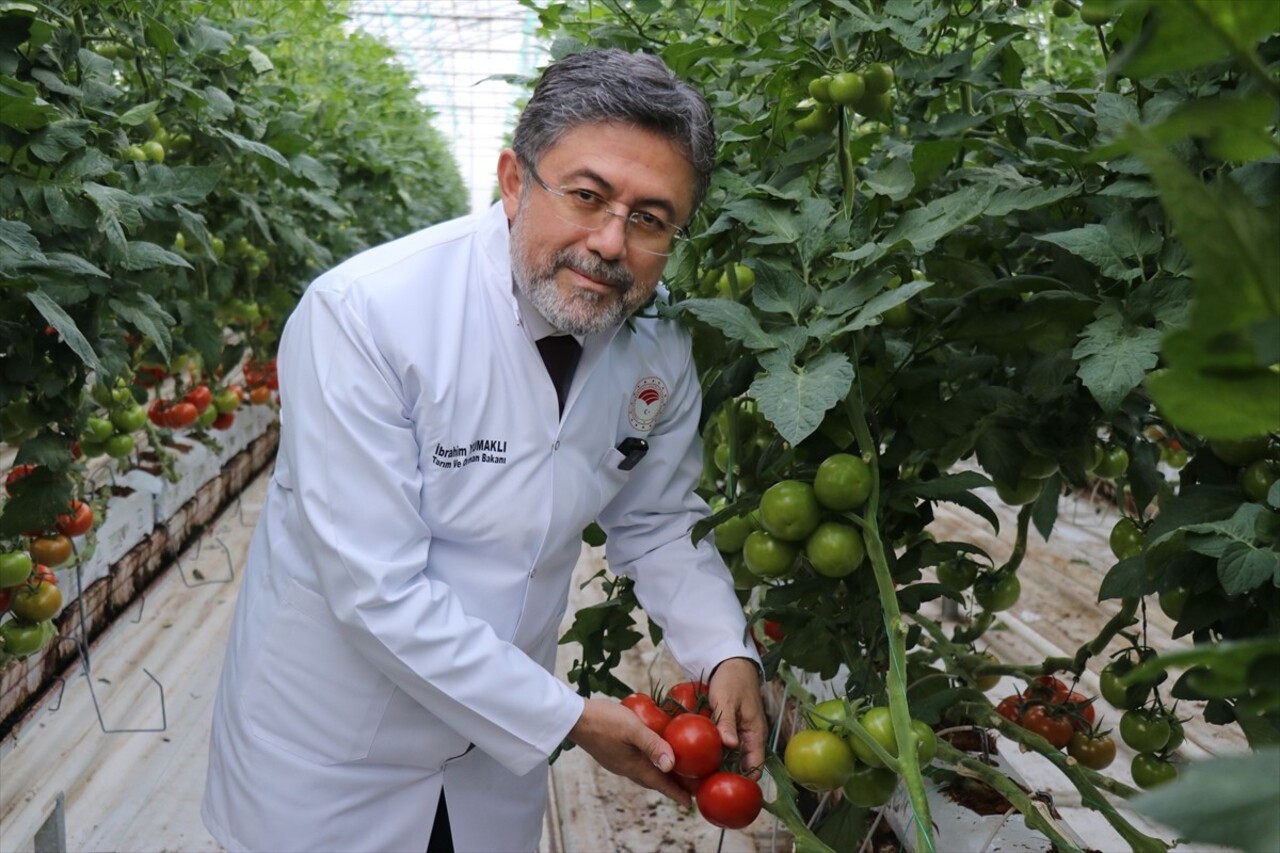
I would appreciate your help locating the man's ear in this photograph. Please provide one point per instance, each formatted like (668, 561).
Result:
(510, 181)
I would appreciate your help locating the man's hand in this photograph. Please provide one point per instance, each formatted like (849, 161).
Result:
(738, 711)
(621, 744)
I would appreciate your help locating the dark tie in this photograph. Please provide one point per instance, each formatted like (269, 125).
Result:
(560, 355)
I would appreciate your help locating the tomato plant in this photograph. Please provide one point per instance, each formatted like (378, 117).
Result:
(997, 592)
(729, 801)
(695, 740)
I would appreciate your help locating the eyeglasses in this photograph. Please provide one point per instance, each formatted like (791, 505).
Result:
(588, 209)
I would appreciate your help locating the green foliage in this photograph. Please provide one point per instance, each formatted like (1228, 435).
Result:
(1057, 241)
(174, 176)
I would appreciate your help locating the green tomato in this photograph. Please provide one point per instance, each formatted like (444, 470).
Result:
(820, 89)
(1144, 731)
(995, 593)
(1173, 601)
(959, 574)
(1116, 694)
(1024, 491)
(869, 787)
(119, 445)
(847, 87)
(843, 482)
(1115, 461)
(1093, 14)
(834, 549)
(135, 153)
(789, 510)
(730, 535)
(20, 638)
(128, 418)
(1037, 467)
(879, 724)
(821, 120)
(1150, 771)
(154, 150)
(1063, 9)
(1257, 480)
(1126, 539)
(15, 568)
(97, 429)
(829, 715)
(1239, 452)
(205, 419)
(768, 556)
(877, 78)
(818, 760)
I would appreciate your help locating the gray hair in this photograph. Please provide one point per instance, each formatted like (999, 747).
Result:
(613, 85)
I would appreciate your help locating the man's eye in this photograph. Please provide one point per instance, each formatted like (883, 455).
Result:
(585, 197)
(647, 221)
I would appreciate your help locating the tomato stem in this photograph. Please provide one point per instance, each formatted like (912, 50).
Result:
(908, 764)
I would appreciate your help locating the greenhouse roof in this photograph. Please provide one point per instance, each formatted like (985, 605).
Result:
(456, 48)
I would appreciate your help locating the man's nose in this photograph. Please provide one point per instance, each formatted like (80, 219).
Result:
(609, 241)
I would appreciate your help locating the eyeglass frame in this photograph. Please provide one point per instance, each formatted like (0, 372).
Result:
(677, 232)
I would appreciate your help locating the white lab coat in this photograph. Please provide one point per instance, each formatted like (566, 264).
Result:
(411, 565)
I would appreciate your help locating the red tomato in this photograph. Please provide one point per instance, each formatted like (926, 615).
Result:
(44, 573)
(15, 474)
(1049, 724)
(260, 395)
(1046, 688)
(695, 740)
(182, 415)
(224, 420)
(647, 710)
(1080, 711)
(200, 397)
(158, 412)
(1010, 708)
(5, 595)
(78, 521)
(688, 697)
(729, 801)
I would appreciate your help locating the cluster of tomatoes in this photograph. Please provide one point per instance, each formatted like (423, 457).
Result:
(28, 587)
(828, 755)
(866, 92)
(683, 719)
(262, 380)
(797, 517)
(200, 408)
(1067, 719)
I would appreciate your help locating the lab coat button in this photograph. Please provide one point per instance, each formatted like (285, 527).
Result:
(555, 446)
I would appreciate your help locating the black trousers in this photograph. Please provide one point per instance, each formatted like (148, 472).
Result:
(441, 836)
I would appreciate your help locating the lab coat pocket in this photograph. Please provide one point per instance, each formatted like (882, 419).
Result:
(308, 692)
(609, 477)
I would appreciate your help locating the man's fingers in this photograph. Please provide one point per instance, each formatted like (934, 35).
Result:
(728, 726)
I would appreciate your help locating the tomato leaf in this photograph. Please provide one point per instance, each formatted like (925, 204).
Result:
(1115, 357)
(1126, 579)
(1191, 34)
(795, 398)
(732, 318)
(67, 328)
(781, 291)
(953, 488)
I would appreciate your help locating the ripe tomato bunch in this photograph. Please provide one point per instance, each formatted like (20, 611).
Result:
(262, 380)
(1067, 719)
(683, 719)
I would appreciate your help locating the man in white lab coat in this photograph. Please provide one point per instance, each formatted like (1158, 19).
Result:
(395, 633)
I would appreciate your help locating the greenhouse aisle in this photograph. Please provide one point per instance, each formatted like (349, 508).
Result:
(137, 787)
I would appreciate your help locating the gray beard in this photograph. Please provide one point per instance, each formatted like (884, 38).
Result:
(582, 312)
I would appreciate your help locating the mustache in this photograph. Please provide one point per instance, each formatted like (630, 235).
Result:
(614, 274)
